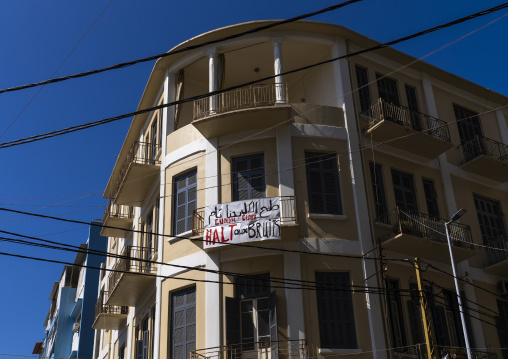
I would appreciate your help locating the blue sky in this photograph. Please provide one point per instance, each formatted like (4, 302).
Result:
(65, 176)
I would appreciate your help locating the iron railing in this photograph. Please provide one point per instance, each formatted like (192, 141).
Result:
(134, 260)
(480, 145)
(102, 308)
(402, 220)
(117, 211)
(382, 110)
(245, 97)
(419, 351)
(287, 215)
(144, 153)
(294, 349)
(495, 250)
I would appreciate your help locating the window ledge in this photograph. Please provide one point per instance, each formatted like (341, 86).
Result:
(342, 351)
(178, 236)
(340, 217)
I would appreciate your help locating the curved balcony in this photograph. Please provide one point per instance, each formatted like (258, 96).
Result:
(485, 157)
(495, 256)
(417, 234)
(133, 276)
(139, 171)
(242, 109)
(109, 317)
(119, 216)
(295, 349)
(429, 137)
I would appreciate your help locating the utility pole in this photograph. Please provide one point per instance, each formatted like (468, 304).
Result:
(427, 325)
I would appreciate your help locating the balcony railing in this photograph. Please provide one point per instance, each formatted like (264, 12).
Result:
(144, 153)
(287, 215)
(382, 110)
(404, 221)
(117, 211)
(102, 308)
(246, 97)
(295, 349)
(479, 145)
(495, 251)
(133, 260)
(419, 351)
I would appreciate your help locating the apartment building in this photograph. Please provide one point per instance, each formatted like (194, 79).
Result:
(69, 332)
(283, 218)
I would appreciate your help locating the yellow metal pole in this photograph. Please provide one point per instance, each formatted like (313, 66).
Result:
(427, 326)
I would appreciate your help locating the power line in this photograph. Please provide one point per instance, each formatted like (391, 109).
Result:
(116, 118)
(335, 255)
(184, 49)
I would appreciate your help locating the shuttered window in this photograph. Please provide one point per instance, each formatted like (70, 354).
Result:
(183, 324)
(184, 201)
(378, 189)
(323, 183)
(430, 198)
(248, 177)
(492, 228)
(396, 313)
(363, 88)
(335, 311)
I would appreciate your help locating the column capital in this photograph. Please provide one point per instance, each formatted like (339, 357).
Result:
(212, 52)
(277, 41)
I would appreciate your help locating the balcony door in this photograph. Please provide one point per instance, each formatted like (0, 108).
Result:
(470, 132)
(183, 323)
(387, 90)
(248, 177)
(492, 228)
(404, 190)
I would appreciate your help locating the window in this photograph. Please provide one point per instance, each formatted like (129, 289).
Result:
(185, 201)
(502, 327)
(387, 89)
(323, 183)
(363, 88)
(378, 189)
(248, 177)
(252, 314)
(430, 198)
(335, 311)
(183, 323)
(470, 132)
(412, 104)
(155, 137)
(142, 340)
(404, 190)
(396, 314)
(492, 228)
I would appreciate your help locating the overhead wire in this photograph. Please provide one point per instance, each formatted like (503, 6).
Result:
(183, 49)
(146, 110)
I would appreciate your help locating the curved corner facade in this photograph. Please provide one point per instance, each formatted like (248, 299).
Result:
(363, 157)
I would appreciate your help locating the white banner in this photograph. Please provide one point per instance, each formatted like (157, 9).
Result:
(242, 221)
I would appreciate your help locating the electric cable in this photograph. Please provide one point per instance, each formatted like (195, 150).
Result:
(212, 93)
(184, 49)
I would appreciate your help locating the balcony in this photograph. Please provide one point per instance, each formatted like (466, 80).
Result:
(495, 256)
(419, 133)
(417, 234)
(419, 351)
(287, 215)
(139, 171)
(132, 278)
(485, 157)
(108, 317)
(242, 109)
(119, 216)
(295, 349)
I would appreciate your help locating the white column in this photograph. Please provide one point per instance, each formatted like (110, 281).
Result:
(345, 101)
(443, 161)
(212, 77)
(280, 90)
(168, 113)
(213, 303)
(167, 121)
(503, 129)
(294, 299)
(285, 161)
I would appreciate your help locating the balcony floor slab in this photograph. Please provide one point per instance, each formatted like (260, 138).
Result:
(487, 166)
(110, 321)
(130, 289)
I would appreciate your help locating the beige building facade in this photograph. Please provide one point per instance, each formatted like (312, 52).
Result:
(366, 157)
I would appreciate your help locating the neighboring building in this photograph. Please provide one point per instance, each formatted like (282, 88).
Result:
(305, 138)
(69, 332)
